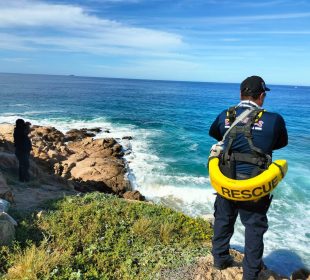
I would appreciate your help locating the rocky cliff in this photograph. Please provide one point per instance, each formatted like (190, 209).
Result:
(63, 164)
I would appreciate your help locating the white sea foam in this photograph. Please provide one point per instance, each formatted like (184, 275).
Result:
(18, 105)
(193, 147)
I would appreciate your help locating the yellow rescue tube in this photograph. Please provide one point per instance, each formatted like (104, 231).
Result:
(249, 189)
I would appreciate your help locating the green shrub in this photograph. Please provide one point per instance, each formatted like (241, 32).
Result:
(99, 236)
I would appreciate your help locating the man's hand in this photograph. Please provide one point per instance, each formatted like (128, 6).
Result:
(216, 149)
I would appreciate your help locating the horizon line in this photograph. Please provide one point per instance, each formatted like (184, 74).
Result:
(142, 79)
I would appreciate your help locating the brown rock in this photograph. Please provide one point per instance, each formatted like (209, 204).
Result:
(6, 132)
(8, 196)
(301, 274)
(46, 134)
(97, 169)
(84, 160)
(78, 134)
(133, 195)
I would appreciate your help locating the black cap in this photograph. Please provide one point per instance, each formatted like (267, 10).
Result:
(253, 85)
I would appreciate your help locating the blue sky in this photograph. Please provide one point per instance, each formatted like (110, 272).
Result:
(192, 40)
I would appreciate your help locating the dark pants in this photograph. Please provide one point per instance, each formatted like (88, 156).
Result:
(253, 217)
(23, 159)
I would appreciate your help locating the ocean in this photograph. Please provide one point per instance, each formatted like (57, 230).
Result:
(167, 157)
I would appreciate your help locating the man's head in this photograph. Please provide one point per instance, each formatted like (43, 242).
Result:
(254, 88)
(20, 123)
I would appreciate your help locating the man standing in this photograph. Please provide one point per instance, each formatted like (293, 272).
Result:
(245, 155)
(22, 148)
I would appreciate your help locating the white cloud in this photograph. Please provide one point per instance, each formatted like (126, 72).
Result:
(15, 59)
(76, 25)
(38, 14)
(234, 20)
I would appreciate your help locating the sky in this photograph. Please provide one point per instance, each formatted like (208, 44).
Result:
(187, 40)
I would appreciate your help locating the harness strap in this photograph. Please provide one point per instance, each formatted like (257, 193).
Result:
(257, 157)
(249, 158)
(248, 131)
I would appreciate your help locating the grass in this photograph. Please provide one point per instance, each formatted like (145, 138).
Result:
(99, 236)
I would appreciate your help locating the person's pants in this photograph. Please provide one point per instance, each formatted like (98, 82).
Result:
(253, 217)
(24, 165)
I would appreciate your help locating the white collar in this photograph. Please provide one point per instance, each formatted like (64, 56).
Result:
(248, 104)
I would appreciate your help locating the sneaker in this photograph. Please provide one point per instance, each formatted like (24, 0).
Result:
(225, 264)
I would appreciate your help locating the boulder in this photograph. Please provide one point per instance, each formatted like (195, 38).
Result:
(47, 134)
(7, 225)
(7, 231)
(78, 134)
(4, 205)
(95, 129)
(133, 195)
(98, 162)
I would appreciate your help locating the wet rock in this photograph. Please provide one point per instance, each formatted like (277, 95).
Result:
(79, 134)
(95, 129)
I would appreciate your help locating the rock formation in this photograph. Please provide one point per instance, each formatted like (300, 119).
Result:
(203, 270)
(74, 158)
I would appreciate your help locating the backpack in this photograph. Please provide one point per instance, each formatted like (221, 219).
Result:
(228, 157)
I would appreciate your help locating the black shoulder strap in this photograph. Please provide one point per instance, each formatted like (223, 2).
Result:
(257, 156)
(253, 118)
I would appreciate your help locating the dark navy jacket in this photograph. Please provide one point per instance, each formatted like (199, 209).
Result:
(22, 143)
(269, 134)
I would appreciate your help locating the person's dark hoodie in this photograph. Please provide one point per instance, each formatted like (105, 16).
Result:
(22, 142)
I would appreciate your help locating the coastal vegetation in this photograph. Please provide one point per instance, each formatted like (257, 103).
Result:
(100, 236)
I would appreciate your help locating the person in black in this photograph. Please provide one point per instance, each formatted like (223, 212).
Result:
(22, 148)
(268, 133)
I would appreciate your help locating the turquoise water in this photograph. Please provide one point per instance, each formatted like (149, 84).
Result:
(169, 122)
